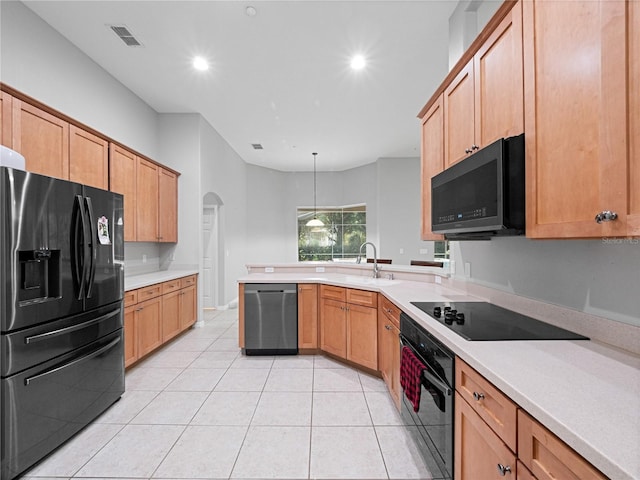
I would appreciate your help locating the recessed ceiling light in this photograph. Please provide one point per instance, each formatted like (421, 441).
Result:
(251, 11)
(358, 62)
(200, 63)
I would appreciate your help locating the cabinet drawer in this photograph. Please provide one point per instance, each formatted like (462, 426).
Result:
(188, 281)
(496, 409)
(362, 297)
(547, 456)
(334, 293)
(171, 286)
(152, 291)
(390, 310)
(130, 298)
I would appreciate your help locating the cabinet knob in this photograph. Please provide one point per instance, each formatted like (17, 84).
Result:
(606, 216)
(503, 469)
(388, 327)
(474, 147)
(478, 396)
(467, 150)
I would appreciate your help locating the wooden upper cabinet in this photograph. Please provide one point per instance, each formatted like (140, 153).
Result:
(88, 158)
(633, 44)
(499, 95)
(122, 179)
(459, 128)
(42, 139)
(432, 161)
(147, 201)
(575, 75)
(5, 119)
(167, 206)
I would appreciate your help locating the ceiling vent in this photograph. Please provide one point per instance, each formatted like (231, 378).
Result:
(257, 146)
(125, 35)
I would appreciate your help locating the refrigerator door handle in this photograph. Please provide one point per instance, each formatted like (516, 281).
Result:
(79, 269)
(93, 251)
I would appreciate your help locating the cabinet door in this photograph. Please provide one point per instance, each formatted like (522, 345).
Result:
(147, 201)
(167, 206)
(362, 335)
(307, 315)
(188, 307)
(499, 96)
(576, 123)
(170, 315)
(478, 451)
(389, 355)
(130, 336)
(122, 179)
(432, 155)
(458, 116)
(633, 44)
(149, 325)
(88, 158)
(547, 456)
(42, 139)
(333, 331)
(5, 119)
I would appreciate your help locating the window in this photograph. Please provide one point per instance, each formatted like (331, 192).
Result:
(440, 250)
(344, 230)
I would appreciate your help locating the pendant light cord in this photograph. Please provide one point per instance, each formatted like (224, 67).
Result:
(315, 208)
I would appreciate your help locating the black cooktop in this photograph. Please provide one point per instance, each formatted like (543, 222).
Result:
(485, 321)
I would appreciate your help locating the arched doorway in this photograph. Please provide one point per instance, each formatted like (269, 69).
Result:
(212, 246)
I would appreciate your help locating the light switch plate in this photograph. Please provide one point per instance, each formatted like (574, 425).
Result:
(268, 270)
(438, 280)
(319, 269)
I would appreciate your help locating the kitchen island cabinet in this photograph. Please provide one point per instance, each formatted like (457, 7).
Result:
(389, 347)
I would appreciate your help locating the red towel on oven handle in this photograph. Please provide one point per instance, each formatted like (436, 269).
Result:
(411, 369)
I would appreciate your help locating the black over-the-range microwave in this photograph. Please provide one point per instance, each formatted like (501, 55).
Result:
(483, 195)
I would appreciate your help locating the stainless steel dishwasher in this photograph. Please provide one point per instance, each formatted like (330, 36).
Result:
(271, 318)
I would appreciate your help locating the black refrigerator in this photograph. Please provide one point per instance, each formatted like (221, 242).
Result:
(61, 291)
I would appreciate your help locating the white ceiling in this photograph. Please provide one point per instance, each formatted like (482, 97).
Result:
(280, 78)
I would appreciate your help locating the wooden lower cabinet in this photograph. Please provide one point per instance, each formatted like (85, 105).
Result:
(333, 321)
(130, 336)
(479, 452)
(171, 315)
(157, 313)
(188, 307)
(389, 347)
(148, 322)
(522, 472)
(548, 457)
(349, 330)
(307, 315)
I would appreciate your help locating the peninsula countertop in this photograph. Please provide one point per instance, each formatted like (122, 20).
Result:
(585, 392)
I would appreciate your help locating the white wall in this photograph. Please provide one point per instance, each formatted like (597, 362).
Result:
(38, 61)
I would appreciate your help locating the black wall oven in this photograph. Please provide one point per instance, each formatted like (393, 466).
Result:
(435, 415)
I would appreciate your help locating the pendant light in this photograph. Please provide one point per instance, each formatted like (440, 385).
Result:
(314, 222)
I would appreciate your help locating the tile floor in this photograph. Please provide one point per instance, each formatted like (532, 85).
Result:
(199, 409)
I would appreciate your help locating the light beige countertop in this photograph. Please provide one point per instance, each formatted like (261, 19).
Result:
(144, 280)
(585, 392)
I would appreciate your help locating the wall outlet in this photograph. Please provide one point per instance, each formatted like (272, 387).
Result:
(402, 251)
(173, 257)
(268, 269)
(438, 279)
(424, 251)
(467, 269)
(144, 259)
(452, 267)
(319, 269)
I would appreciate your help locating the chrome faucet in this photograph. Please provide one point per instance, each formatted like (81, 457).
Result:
(376, 270)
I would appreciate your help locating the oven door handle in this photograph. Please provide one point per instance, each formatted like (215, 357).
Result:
(436, 382)
(430, 377)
